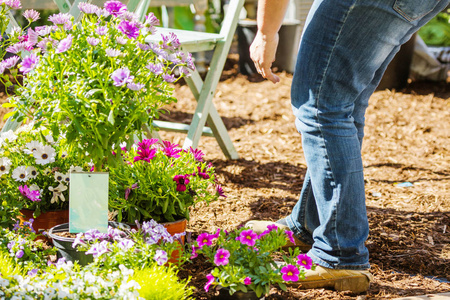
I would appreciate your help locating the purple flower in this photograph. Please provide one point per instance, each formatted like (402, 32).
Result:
(211, 279)
(14, 4)
(126, 244)
(194, 251)
(32, 272)
(102, 13)
(170, 41)
(146, 154)
(168, 78)
(158, 51)
(204, 239)
(121, 76)
(201, 173)
(247, 281)
(151, 19)
(65, 44)
(116, 8)
(115, 233)
(98, 249)
(27, 193)
(112, 52)
(10, 62)
(93, 41)
(94, 234)
(272, 227)
(248, 237)
(220, 191)
(290, 273)
(101, 30)
(144, 47)
(88, 8)
(182, 181)
(128, 190)
(221, 257)
(32, 37)
(135, 86)
(305, 261)
(43, 30)
(18, 47)
(160, 257)
(29, 63)
(170, 149)
(147, 143)
(31, 15)
(11, 244)
(198, 154)
(121, 40)
(156, 69)
(129, 29)
(20, 253)
(78, 240)
(60, 19)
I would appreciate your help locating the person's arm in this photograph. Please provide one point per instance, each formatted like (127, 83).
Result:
(262, 51)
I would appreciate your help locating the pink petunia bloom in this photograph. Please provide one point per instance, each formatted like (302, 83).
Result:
(29, 63)
(221, 257)
(129, 29)
(248, 237)
(115, 8)
(290, 236)
(272, 227)
(204, 239)
(290, 273)
(304, 261)
(211, 279)
(182, 181)
(247, 281)
(194, 252)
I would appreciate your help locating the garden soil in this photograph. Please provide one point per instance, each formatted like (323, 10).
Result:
(407, 141)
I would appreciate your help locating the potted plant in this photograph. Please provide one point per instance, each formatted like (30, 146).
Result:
(34, 174)
(247, 263)
(161, 181)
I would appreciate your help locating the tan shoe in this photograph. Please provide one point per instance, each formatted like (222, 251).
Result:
(260, 226)
(356, 281)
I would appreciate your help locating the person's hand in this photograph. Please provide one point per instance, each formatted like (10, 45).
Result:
(262, 52)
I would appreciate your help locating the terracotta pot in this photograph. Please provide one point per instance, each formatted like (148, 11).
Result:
(45, 220)
(175, 227)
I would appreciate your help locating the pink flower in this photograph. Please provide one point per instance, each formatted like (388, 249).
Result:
(198, 154)
(170, 149)
(151, 19)
(60, 19)
(290, 235)
(145, 154)
(121, 76)
(221, 257)
(27, 193)
(65, 44)
(31, 15)
(201, 173)
(290, 273)
(116, 8)
(29, 63)
(129, 29)
(247, 281)
(88, 8)
(182, 181)
(170, 41)
(304, 261)
(211, 279)
(220, 191)
(194, 251)
(248, 237)
(204, 239)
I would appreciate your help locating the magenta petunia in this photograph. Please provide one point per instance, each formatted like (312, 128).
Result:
(129, 29)
(290, 236)
(29, 63)
(194, 252)
(305, 261)
(221, 257)
(248, 237)
(115, 8)
(182, 181)
(121, 76)
(290, 273)
(211, 279)
(205, 239)
(247, 281)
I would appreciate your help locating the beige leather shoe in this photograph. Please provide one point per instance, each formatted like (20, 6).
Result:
(261, 226)
(356, 281)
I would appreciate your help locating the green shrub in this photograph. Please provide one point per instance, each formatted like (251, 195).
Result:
(159, 282)
(437, 31)
(7, 266)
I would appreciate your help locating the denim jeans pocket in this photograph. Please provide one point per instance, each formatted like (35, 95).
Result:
(412, 10)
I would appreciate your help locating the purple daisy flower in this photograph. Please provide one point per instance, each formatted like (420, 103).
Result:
(31, 15)
(121, 76)
(305, 261)
(14, 4)
(168, 78)
(170, 41)
(220, 191)
(32, 272)
(202, 173)
(147, 143)
(221, 257)
(27, 193)
(211, 279)
(145, 154)
(10, 62)
(102, 13)
(93, 41)
(43, 30)
(121, 40)
(182, 181)
(32, 36)
(144, 47)
(65, 44)
(247, 281)
(18, 47)
(101, 30)
(116, 8)
(290, 273)
(204, 239)
(112, 52)
(129, 29)
(170, 149)
(156, 69)
(135, 86)
(248, 237)
(198, 154)
(88, 8)
(128, 190)
(20, 253)
(29, 63)
(60, 19)
(151, 19)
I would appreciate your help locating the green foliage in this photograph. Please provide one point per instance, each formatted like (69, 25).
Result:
(7, 266)
(161, 283)
(437, 31)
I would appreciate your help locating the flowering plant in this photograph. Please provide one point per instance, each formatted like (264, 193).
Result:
(161, 181)
(245, 261)
(34, 171)
(98, 80)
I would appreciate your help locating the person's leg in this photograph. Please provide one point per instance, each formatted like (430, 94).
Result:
(345, 49)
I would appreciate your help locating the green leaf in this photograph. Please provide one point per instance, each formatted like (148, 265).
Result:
(282, 286)
(111, 117)
(8, 104)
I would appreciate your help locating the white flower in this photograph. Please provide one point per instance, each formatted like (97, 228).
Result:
(44, 155)
(58, 192)
(50, 139)
(75, 169)
(59, 176)
(32, 146)
(4, 282)
(64, 154)
(8, 135)
(20, 174)
(32, 172)
(5, 165)
(47, 171)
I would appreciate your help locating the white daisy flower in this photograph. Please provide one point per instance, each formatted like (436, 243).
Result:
(47, 171)
(32, 172)
(8, 135)
(49, 138)
(64, 154)
(44, 155)
(32, 146)
(5, 165)
(67, 178)
(57, 192)
(75, 169)
(20, 174)
(59, 176)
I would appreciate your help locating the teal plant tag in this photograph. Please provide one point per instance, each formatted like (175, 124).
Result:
(88, 202)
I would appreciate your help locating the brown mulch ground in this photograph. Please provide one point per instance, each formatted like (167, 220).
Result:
(407, 140)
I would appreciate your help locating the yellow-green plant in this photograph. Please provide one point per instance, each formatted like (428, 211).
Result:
(8, 268)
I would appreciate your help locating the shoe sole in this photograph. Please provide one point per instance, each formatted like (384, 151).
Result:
(355, 284)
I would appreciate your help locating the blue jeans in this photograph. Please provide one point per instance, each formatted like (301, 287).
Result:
(345, 48)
